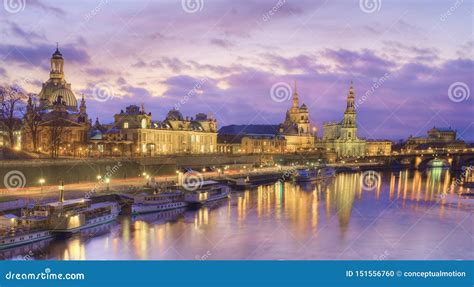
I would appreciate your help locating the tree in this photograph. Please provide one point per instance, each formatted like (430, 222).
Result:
(11, 103)
(32, 121)
(56, 128)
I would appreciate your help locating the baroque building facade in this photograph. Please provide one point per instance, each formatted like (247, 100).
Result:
(296, 128)
(294, 134)
(135, 133)
(437, 138)
(341, 137)
(55, 125)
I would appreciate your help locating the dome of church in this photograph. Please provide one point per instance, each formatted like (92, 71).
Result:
(68, 97)
(304, 107)
(174, 115)
(48, 89)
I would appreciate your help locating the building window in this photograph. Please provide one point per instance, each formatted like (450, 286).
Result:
(125, 125)
(143, 123)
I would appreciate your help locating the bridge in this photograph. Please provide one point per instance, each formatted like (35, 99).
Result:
(420, 159)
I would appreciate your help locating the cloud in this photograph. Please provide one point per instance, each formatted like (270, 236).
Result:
(223, 43)
(34, 56)
(28, 35)
(364, 62)
(99, 72)
(46, 7)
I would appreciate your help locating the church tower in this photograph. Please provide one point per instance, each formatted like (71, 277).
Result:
(296, 103)
(83, 111)
(57, 66)
(349, 127)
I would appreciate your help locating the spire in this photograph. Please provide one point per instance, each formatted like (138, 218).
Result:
(350, 99)
(296, 103)
(82, 107)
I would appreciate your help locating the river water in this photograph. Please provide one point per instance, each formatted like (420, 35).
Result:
(390, 215)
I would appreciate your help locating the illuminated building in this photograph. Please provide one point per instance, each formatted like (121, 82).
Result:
(341, 137)
(55, 126)
(135, 133)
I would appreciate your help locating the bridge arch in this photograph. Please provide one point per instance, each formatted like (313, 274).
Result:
(433, 161)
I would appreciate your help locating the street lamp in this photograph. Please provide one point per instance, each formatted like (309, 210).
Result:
(41, 181)
(99, 177)
(107, 181)
(61, 191)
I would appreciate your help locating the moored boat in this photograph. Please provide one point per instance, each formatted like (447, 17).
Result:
(18, 236)
(310, 174)
(75, 214)
(144, 203)
(208, 191)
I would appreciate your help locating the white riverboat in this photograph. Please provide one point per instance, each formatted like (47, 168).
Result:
(69, 216)
(208, 191)
(144, 203)
(18, 236)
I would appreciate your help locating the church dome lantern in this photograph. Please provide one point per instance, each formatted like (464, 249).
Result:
(57, 86)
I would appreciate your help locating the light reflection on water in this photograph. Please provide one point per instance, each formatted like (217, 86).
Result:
(402, 217)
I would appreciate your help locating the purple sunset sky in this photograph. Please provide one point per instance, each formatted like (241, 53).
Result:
(156, 52)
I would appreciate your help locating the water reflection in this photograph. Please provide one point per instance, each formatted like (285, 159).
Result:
(409, 213)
